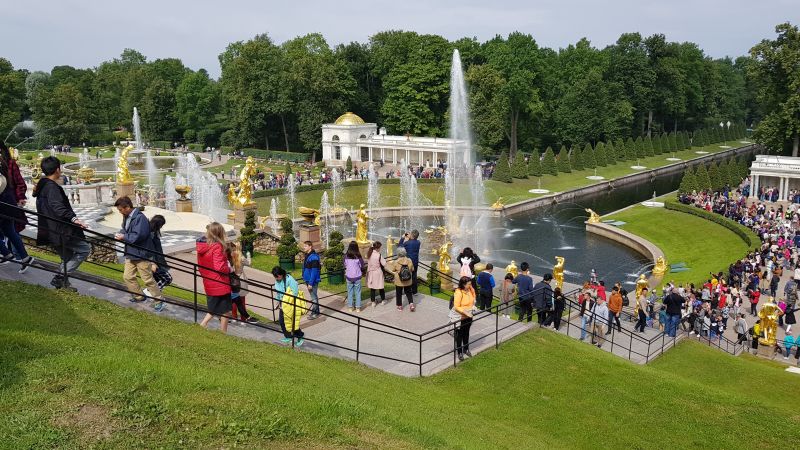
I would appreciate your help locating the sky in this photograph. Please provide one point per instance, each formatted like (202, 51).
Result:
(40, 34)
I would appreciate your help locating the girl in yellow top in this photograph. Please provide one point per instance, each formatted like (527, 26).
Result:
(464, 303)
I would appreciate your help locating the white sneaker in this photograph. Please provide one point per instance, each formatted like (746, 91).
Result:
(146, 292)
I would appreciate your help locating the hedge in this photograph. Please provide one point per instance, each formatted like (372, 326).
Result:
(274, 154)
(323, 186)
(747, 235)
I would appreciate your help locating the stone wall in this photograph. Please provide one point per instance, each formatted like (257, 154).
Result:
(266, 243)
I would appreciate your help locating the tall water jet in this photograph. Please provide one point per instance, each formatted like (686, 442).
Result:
(292, 199)
(207, 196)
(137, 129)
(170, 196)
(273, 216)
(410, 198)
(116, 161)
(373, 193)
(336, 190)
(325, 215)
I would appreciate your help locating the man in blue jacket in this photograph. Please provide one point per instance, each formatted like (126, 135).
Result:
(311, 269)
(135, 233)
(410, 242)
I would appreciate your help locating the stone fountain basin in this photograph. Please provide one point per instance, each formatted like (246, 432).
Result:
(107, 166)
(176, 222)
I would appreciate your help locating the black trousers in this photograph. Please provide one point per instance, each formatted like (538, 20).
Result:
(485, 300)
(462, 335)
(541, 316)
(525, 307)
(555, 317)
(238, 304)
(642, 322)
(414, 279)
(398, 295)
(753, 309)
(372, 294)
(612, 317)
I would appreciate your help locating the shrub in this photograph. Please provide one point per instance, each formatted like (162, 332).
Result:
(648, 146)
(549, 162)
(703, 180)
(611, 153)
(349, 164)
(563, 161)
(600, 154)
(502, 172)
(641, 153)
(247, 235)
(334, 254)
(746, 234)
(287, 245)
(576, 158)
(589, 160)
(688, 183)
(630, 149)
(534, 165)
(518, 168)
(433, 275)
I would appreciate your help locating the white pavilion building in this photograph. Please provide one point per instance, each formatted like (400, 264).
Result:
(782, 172)
(363, 142)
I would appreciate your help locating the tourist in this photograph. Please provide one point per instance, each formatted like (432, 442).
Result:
(375, 267)
(464, 304)
(599, 317)
(754, 296)
(135, 233)
(353, 272)
(236, 262)
(559, 303)
(486, 286)
(662, 319)
(638, 310)
(159, 266)
(467, 259)
(402, 268)
(524, 284)
(507, 296)
(586, 300)
(12, 219)
(614, 309)
(674, 303)
(215, 272)
(59, 226)
(311, 275)
(788, 343)
(543, 298)
(740, 327)
(290, 306)
(410, 241)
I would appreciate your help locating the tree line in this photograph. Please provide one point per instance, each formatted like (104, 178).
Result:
(522, 96)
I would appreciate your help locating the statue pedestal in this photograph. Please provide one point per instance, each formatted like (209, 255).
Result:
(310, 232)
(240, 213)
(183, 205)
(126, 189)
(767, 351)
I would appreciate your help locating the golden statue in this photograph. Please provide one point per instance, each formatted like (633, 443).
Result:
(311, 215)
(498, 204)
(558, 272)
(660, 267)
(512, 269)
(14, 153)
(245, 190)
(362, 225)
(641, 285)
(232, 194)
(593, 216)
(444, 257)
(123, 174)
(769, 314)
(389, 246)
(262, 222)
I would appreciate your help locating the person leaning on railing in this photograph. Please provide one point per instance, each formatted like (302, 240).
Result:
(12, 220)
(464, 304)
(135, 233)
(59, 226)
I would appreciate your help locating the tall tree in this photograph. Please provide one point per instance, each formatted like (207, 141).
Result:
(12, 96)
(158, 106)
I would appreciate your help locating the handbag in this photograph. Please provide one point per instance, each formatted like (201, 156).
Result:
(454, 316)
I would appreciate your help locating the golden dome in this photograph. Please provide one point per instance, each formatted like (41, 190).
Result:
(349, 118)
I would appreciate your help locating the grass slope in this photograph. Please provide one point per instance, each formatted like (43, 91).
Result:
(78, 372)
(703, 245)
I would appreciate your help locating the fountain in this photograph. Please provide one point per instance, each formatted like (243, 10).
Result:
(325, 212)
(336, 189)
(410, 198)
(207, 196)
(273, 215)
(373, 193)
(170, 196)
(291, 190)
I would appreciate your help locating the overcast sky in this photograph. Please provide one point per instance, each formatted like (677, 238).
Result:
(39, 34)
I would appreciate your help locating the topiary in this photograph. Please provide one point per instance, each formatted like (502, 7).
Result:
(641, 153)
(611, 153)
(648, 146)
(334, 254)
(600, 154)
(502, 172)
(518, 167)
(287, 245)
(703, 180)
(589, 160)
(349, 164)
(576, 158)
(534, 165)
(247, 235)
(549, 162)
(563, 161)
(630, 149)
(688, 183)
(433, 275)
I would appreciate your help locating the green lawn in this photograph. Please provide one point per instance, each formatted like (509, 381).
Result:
(510, 192)
(703, 245)
(78, 372)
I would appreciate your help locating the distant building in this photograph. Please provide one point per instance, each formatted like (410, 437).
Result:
(782, 172)
(363, 142)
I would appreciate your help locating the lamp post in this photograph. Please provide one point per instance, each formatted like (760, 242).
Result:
(724, 137)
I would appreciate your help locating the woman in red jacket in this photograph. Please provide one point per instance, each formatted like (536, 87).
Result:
(215, 272)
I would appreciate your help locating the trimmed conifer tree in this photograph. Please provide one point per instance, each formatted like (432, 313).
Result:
(733, 173)
(576, 158)
(549, 162)
(715, 177)
(657, 145)
(686, 143)
(648, 146)
(589, 160)
(518, 168)
(620, 152)
(630, 150)
(703, 180)
(502, 171)
(600, 154)
(640, 153)
(688, 183)
(611, 153)
(563, 161)
(534, 165)
(673, 142)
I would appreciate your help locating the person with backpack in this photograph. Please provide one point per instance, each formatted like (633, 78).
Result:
(236, 261)
(403, 268)
(12, 220)
(353, 272)
(467, 259)
(524, 284)
(410, 242)
(135, 233)
(159, 266)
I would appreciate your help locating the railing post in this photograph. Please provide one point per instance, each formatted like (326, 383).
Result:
(455, 345)
(194, 276)
(420, 355)
(294, 314)
(613, 333)
(358, 337)
(64, 262)
(647, 358)
(496, 328)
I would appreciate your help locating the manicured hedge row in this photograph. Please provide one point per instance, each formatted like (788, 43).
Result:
(274, 154)
(747, 235)
(324, 186)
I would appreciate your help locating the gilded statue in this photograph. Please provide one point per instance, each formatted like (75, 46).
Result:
(498, 204)
(512, 269)
(444, 257)
(769, 314)
(262, 222)
(389, 246)
(245, 189)
(311, 215)
(641, 285)
(660, 268)
(232, 194)
(593, 216)
(362, 225)
(123, 174)
(558, 272)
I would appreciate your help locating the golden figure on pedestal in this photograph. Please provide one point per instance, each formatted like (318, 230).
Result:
(512, 269)
(362, 225)
(443, 265)
(558, 272)
(232, 194)
(593, 216)
(660, 267)
(769, 314)
(311, 215)
(641, 285)
(262, 222)
(498, 204)
(389, 246)
(245, 189)
(123, 174)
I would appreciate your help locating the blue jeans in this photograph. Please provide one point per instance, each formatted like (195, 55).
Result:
(14, 240)
(584, 319)
(312, 291)
(672, 324)
(354, 290)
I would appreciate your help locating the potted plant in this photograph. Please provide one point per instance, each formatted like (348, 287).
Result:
(434, 281)
(334, 258)
(287, 245)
